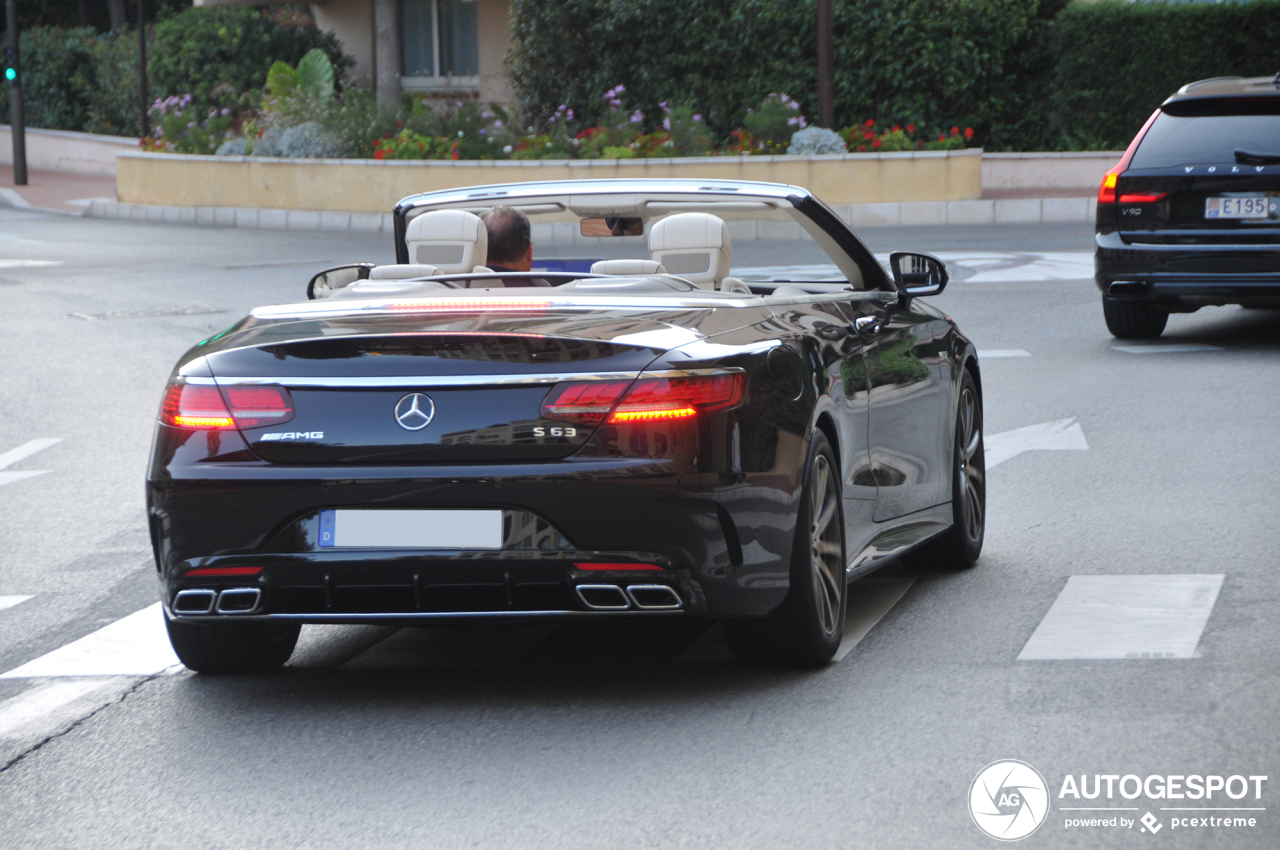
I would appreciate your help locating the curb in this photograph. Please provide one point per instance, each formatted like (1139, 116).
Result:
(897, 214)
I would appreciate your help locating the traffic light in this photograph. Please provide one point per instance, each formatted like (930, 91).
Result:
(10, 72)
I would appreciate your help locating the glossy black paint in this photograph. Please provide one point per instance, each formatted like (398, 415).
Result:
(711, 500)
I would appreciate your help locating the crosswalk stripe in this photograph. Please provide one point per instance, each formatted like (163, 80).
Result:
(869, 600)
(136, 645)
(1125, 616)
(26, 450)
(37, 704)
(1171, 348)
(1002, 352)
(10, 601)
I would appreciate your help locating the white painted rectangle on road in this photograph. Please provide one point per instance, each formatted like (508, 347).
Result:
(869, 600)
(1112, 617)
(988, 354)
(137, 645)
(44, 701)
(1176, 348)
(11, 477)
(10, 601)
(1059, 435)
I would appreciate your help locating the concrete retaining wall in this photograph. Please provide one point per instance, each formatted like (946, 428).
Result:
(1082, 170)
(374, 186)
(63, 150)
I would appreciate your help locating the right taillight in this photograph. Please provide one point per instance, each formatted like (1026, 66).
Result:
(1107, 191)
(653, 399)
(202, 407)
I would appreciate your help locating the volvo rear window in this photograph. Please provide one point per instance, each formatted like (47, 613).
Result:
(1189, 139)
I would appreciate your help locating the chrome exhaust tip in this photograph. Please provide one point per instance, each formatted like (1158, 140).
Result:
(239, 600)
(654, 597)
(603, 597)
(1126, 288)
(194, 601)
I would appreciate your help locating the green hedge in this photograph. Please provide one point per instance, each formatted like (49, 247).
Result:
(77, 79)
(1118, 61)
(1026, 74)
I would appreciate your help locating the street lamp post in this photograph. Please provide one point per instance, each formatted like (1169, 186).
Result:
(13, 72)
(144, 102)
(826, 73)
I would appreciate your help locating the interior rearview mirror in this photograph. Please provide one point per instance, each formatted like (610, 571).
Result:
(612, 227)
(917, 274)
(331, 280)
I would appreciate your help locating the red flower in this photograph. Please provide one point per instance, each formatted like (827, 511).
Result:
(868, 135)
(896, 128)
(877, 143)
(870, 123)
(942, 137)
(862, 148)
(911, 128)
(955, 131)
(379, 154)
(968, 132)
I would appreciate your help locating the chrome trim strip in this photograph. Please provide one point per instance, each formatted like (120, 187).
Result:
(395, 381)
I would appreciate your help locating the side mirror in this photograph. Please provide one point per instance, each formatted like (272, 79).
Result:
(612, 227)
(330, 281)
(917, 274)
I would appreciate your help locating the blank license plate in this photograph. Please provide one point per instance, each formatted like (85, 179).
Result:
(411, 529)
(1257, 206)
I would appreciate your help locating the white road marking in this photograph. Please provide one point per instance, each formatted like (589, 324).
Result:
(1106, 617)
(869, 600)
(14, 199)
(1002, 352)
(24, 264)
(1176, 348)
(1011, 267)
(1060, 435)
(22, 452)
(36, 704)
(26, 450)
(10, 601)
(136, 645)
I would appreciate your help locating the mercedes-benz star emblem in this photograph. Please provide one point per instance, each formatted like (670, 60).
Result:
(414, 411)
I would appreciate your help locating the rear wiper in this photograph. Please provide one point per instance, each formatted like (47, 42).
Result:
(1245, 157)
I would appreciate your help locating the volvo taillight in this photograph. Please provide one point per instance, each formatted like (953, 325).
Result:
(202, 407)
(1107, 191)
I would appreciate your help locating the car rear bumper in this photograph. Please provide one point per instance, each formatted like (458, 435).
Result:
(1228, 273)
(721, 543)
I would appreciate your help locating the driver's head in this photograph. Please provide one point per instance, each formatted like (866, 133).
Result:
(509, 243)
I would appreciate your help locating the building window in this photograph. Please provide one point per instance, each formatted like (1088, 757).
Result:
(440, 41)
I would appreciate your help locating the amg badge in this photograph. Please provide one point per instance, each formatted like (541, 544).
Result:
(293, 435)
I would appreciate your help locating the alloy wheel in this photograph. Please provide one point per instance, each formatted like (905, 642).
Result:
(826, 552)
(972, 483)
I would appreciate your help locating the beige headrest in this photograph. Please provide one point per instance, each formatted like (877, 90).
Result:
(627, 267)
(402, 271)
(454, 241)
(694, 246)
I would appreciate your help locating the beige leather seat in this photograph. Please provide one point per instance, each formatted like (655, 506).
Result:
(402, 271)
(453, 241)
(628, 267)
(696, 247)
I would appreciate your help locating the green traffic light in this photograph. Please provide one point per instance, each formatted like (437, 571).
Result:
(10, 74)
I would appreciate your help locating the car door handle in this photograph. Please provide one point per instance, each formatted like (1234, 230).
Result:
(870, 324)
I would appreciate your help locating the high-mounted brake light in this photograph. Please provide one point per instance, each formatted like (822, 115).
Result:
(203, 407)
(647, 399)
(1107, 191)
(472, 305)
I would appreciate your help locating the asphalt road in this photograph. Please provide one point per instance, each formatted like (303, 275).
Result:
(535, 739)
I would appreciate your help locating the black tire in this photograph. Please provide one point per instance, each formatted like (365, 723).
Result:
(806, 629)
(959, 547)
(232, 647)
(1133, 319)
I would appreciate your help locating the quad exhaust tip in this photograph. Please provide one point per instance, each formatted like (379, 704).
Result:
(194, 601)
(239, 600)
(646, 597)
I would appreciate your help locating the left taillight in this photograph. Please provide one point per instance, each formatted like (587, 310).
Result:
(203, 407)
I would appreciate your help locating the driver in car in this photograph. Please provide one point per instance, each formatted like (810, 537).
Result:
(510, 245)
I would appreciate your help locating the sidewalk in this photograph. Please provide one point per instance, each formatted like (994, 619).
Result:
(81, 194)
(54, 191)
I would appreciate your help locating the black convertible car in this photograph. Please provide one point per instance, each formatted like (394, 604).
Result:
(645, 425)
